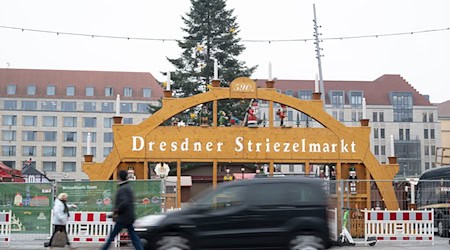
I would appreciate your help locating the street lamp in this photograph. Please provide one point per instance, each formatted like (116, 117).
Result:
(242, 171)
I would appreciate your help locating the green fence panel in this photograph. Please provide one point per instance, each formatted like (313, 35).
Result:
(30, 204)
(99, 195)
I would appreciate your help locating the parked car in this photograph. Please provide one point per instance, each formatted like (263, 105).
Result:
(265, 213)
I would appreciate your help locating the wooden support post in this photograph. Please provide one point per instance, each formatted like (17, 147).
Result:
(145, 170)
(178, 184)
(214, 174)
(271, 167)
(215, 121)
(270, 114)
(307, 168)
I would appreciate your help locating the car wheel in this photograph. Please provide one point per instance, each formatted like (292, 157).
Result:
(173, 242)
(306, 242)
(442, 231)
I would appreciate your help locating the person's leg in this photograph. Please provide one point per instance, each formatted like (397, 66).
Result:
(56, 228)
(134, 237)
(67, 236)
(116, 230)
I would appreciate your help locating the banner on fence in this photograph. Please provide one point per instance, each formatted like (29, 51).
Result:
(30, 205)
(98, 196)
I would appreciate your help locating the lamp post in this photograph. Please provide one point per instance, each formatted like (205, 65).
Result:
(242, 171)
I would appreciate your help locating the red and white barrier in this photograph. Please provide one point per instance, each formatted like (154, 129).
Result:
(399, 225)
(332, 223)
(89, 227)
(5, 227)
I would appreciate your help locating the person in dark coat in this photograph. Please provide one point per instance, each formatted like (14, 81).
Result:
(123, 213)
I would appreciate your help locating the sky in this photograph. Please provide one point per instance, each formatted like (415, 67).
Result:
(422, 59)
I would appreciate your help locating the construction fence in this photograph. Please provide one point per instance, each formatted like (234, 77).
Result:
(31, 203)
(358, 195)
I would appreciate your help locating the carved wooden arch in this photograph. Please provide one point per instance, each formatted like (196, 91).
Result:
(333, 131)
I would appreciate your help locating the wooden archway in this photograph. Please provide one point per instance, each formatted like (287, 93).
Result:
(136, 145)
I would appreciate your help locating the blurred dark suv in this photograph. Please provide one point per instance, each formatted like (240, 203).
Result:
(266, 213)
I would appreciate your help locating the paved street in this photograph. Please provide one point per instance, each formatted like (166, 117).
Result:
(439, 244)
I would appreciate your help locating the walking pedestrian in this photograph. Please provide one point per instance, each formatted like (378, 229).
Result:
(60, 216)
(123, 213)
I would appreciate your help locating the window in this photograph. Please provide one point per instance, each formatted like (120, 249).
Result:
(376, 150)
(354, 116)
(93, 136)
(108, 137)
(107, 122)
(10, 105)
(128, 120)
(375, 133)
(304, 95)
(356, 98)
(424, 117)
(31, 90)
(68, 106)
(48, 105)
(427, 150)
(48, 151)
(383, 150)
(106, 151)
(142, 108)
(69, 151)
(225, 198)
(49, 121)
(431, 117)
(93, 151)
(51, 90)
(433, 150)
(147, 92)
(70, 91)
(425, 133)
(382, 133)
(128, 92)
(89, 91)
(29, 120)
(70, 121)
(89, 106)
(70, 136)
(11, 164)
(432, 133)
(427, 165)
(28, 150)
(8, 135)
(107, 107)
(29, 105)
(9, 120)
(407, 134)
(375, 116)
(126, 107)
(290, 92)
(381, 116)
(400, 134)
(29, 135)
(69, 166)
(8, 150)
(109, 91)
(11, 89)
(49, 166)
(49, 135)
(89, 122)
(337, 99)
(403, 106)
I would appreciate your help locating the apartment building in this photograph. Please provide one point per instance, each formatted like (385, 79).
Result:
(46, 115)
(443, 152)
(394, 107)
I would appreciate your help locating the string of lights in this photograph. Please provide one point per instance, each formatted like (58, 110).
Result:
(243, 40)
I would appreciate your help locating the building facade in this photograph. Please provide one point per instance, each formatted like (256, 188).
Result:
(393, 107)
(46, 115)
(443, 152)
